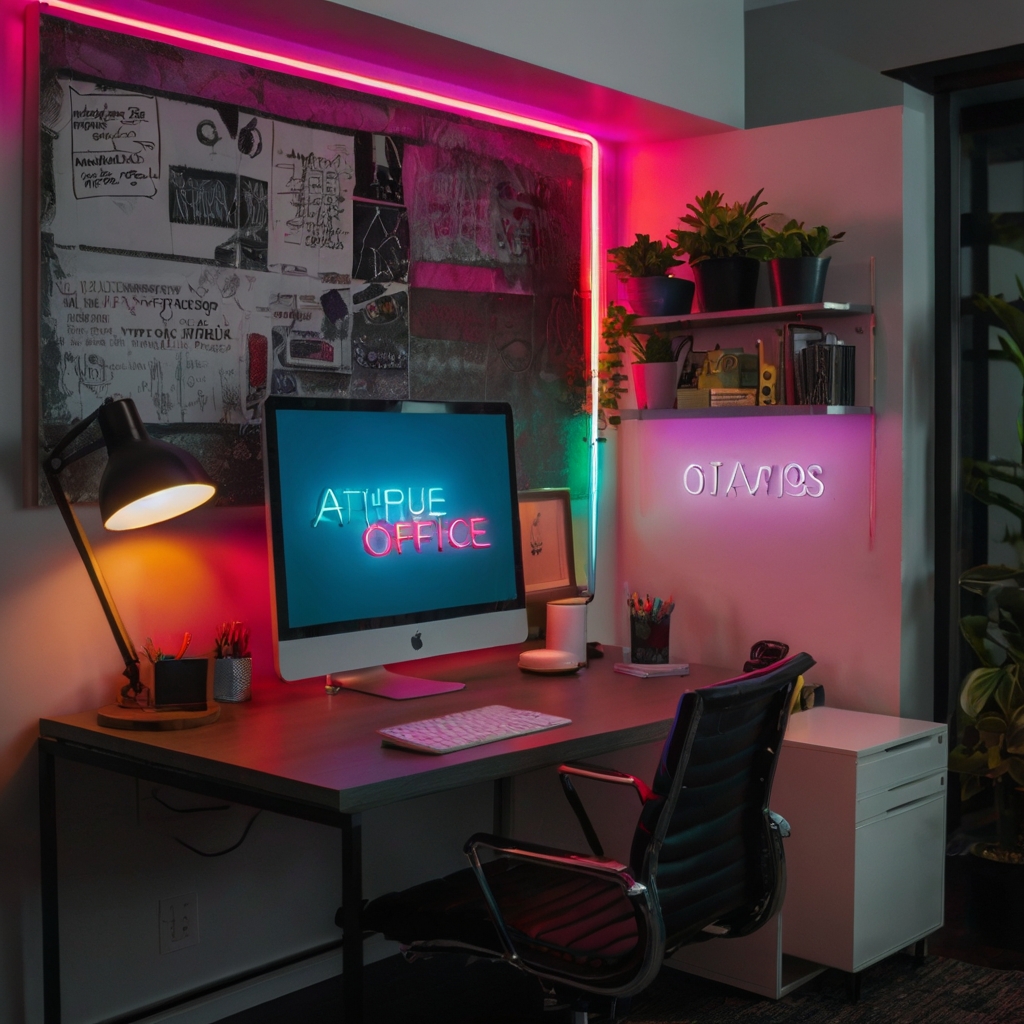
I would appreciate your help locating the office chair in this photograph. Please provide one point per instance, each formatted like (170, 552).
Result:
(706, 860)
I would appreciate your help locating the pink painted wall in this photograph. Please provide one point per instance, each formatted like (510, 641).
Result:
(800, 570)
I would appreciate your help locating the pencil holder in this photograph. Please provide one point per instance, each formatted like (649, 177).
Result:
(649, 641)
(232, 680)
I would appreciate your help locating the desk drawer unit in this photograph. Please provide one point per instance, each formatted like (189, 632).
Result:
(866, 798)
(865, 795)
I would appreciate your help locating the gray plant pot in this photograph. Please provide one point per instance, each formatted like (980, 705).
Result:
(726, 282)
(660, 296)
(797, 280)
(232, 680)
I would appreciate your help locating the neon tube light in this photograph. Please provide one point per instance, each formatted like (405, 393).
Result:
(430, 98)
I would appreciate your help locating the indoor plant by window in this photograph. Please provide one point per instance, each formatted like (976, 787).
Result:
(991, 708)
(644, 266)
(796, 267)
(724, 244)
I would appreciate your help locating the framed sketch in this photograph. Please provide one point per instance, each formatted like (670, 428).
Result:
(549, 568)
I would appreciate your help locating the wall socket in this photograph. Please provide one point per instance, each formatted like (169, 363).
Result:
(179, 922)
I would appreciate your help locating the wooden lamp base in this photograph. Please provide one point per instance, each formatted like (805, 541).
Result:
(113, 716)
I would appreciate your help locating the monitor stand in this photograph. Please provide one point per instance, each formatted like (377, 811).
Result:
(381, 682)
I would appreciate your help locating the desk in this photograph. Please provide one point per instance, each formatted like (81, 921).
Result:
(299, 752)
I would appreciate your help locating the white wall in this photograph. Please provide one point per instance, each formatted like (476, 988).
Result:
(744, 569)
(686, 54)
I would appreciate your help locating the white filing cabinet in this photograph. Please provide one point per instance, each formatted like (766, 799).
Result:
(866, 798)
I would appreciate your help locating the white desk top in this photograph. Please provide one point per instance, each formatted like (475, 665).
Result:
(854, 733)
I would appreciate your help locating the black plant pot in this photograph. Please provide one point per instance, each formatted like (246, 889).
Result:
(997, 901)
(798, 280)
(660, 296)
(729, 282)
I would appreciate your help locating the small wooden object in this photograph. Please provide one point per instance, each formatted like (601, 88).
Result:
(113, 716)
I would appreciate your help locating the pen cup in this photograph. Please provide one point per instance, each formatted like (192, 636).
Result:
(649, 641)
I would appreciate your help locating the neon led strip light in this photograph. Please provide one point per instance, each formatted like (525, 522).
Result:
(423, 96)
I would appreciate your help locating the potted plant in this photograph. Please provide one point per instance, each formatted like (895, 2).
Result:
(644, 266)
(656, 369)
(724, 244)
(796, 267)
(232, 667)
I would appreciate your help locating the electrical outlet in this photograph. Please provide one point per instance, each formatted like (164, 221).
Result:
(179, 922)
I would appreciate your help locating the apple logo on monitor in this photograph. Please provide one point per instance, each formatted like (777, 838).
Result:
(416, 641)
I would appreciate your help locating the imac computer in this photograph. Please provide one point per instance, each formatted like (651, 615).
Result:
(394, 534)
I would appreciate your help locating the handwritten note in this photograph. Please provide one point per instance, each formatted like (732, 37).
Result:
(171, 337)
(115, 144)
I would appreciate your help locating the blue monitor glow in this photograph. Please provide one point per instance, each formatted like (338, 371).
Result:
(393, 529)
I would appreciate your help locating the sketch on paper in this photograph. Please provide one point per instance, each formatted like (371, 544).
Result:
(115, 144)
(311, 207)
(381, 247)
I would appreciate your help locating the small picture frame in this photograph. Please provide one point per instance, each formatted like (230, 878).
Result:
(549, 567)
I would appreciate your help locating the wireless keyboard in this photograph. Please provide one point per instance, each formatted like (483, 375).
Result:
(468, 729)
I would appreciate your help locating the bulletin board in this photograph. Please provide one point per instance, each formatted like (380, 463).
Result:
(208, 233)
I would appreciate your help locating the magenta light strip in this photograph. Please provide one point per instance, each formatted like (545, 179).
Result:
(430, 98)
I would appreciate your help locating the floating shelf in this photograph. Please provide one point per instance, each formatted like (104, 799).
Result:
(761, 314)
(730, 411)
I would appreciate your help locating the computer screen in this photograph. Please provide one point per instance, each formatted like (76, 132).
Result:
(394, 531)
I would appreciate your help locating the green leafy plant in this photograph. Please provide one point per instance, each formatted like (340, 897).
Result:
(715, 230)
(232, 640)
(657, 348)
(792, 240)
(616, 326)
(991, 710)
(643, 258)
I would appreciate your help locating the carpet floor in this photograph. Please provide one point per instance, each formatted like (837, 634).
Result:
(450, 991)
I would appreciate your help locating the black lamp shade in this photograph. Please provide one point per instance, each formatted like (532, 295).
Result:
(145, 481)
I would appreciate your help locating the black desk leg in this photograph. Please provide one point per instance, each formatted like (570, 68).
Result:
(352, 918)
(502, 814)
(48, 882)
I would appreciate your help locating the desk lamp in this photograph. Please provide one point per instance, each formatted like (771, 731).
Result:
(144, 482)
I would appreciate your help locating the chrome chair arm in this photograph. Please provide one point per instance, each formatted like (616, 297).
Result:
(598, 774)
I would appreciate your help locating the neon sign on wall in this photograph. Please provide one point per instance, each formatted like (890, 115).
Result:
(727, 479)
(390, 528)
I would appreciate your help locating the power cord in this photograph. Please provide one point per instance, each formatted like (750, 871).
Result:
(195, 810)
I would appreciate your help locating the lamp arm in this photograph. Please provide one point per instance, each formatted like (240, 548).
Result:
(52, 463)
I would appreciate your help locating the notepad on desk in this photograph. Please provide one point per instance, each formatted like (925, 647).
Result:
(679, 668)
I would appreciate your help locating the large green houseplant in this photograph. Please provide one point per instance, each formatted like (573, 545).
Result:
(644, 266)
(723, 243)
(991, 707)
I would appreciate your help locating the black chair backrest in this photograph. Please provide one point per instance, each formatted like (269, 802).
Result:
(705, 841)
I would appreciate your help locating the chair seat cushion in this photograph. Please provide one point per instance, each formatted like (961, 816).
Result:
(552, 915)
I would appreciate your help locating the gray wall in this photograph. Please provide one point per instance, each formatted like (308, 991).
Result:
(815, 58)
(686, 54)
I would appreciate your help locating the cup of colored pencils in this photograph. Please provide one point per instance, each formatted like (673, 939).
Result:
(648, 629)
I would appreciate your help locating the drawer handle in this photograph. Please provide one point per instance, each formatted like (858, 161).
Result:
(912, 782)
(923, 741)
(910, 803)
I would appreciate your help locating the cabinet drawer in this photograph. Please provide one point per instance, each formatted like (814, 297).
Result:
(887, 801)
(907, 759)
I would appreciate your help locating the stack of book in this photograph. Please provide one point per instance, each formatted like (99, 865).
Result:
(816, 368)
(824, 374)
